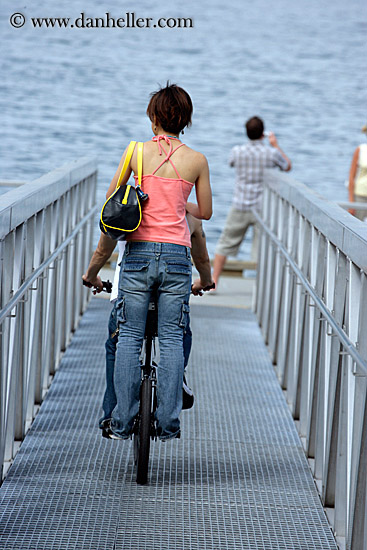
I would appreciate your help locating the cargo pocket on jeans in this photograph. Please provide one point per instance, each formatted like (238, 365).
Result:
(120, 311)
(175, 266)
(178, 276)
(184, 319)
(135, 264)
(135, 273)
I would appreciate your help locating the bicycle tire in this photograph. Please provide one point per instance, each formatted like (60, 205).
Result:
(144, 431)
(136, 448)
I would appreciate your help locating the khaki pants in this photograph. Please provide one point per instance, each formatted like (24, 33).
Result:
(234, 232)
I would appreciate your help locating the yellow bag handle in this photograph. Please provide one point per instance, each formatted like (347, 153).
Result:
(127, 160)
(140, 162)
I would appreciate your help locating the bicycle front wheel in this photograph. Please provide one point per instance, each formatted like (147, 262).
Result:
(144, 431)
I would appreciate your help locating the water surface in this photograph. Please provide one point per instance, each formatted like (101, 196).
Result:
(301, 66)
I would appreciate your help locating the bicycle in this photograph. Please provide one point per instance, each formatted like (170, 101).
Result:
(144, 425)
(144, 428)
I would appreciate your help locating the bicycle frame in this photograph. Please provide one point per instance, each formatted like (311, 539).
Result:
(151, 332)
(145, 429)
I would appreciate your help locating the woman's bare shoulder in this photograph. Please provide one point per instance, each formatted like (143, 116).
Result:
(197, 157)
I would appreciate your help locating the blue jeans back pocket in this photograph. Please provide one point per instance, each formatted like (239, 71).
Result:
(134, 273)
(178, 276)
(180, 267)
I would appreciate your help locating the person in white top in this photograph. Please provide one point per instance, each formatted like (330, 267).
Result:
(358, 179)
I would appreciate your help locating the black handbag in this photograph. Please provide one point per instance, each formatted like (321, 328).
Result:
(121, 213)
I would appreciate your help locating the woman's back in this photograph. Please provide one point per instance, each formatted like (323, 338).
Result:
(166, 158)
(168, 190)
(188, 162)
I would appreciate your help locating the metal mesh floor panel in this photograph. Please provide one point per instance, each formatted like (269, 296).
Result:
(237, 478)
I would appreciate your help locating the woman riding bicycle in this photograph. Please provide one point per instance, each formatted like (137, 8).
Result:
(157, 258)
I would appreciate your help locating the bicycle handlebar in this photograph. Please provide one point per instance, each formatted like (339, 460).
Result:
(205, 289)
(209, 287)
(107, 285)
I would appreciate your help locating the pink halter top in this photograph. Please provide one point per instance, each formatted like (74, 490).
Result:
(164, 213)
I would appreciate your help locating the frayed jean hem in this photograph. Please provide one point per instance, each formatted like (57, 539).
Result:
(175, 435)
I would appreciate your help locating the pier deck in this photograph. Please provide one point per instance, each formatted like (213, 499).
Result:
(237, 479)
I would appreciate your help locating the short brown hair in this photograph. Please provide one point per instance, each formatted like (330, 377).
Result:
(171, 108)
(254, 128)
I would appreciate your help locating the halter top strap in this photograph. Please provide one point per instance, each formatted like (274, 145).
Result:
(165, 138)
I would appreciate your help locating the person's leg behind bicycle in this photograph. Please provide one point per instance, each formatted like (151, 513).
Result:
(109, 398)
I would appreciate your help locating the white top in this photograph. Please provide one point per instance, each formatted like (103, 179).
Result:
(360, 186)
(115, 284)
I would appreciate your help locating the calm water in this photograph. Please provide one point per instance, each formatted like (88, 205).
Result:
(301, 66)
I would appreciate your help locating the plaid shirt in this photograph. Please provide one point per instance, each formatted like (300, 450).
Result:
(250, 160)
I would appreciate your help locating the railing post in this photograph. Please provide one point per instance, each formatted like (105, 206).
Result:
(45, 241)
(357, 536)
(311, 303)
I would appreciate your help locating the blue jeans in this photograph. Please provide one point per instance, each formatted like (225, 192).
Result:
(109, 398)
(146, 267)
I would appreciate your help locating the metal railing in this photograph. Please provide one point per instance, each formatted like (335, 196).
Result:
(46, 229)
(311, 304)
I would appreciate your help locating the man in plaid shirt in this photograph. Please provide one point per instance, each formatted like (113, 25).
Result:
(249, 160)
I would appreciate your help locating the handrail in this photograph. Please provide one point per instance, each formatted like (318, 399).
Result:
(46, 232)
(311, 304)
(338, 226)
(347, 344)
(354, 205)
(36, 274)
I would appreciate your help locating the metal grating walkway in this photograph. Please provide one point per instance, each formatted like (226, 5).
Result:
(237, 479)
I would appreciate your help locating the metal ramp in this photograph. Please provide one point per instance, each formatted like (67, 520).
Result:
(237, 479)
